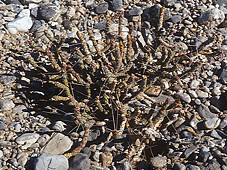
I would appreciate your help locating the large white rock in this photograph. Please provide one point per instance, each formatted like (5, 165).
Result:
(22, 23)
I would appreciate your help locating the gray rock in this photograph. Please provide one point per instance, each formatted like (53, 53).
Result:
(211, 123)
(135, 11)
(7, 79)
(223, 123)
(212, 17)
(67, 24)
(222, 5)
(158, 162)
(179, 166)
(215, 134)
(223, 76)
(117, 5)
(6, 105)
(189, 151)
(205, 112)
(36, 25)
(184, 96)
(176, 19)
(194, 84)
(47, 11)
(198, 102)
(19, 109)
(80, 162)
(2, 126)
(216, 91)
(102, 8)
(194, 123)
(87, 151)
(58, 144)
(49, 161)
(27, 139)
(192, 167)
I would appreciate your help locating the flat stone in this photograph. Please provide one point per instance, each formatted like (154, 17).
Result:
(102, 8)
(202, 94)
(184, 96)
(58, 144)
(80, 162)
(7, 79)
(49, 161)
(27, 138)
(205, 112)
(158, 162)
(211, 123)
(6, 105)
(189, 151)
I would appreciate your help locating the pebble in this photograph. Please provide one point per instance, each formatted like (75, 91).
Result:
(59, 126)
(117, 5)
(192, 93)
(184, 96)
(179, 166)
(216, 91)
(27, 139)
(198, 102)
(223, 123)
(223, 76)
(153, 91)
(2, 126)
(211, 123)
(204, 155)
(58, 144)
(19, 109)
(135, 11)
(192, 167)
(22, 23)
(205, 112)
(215, 134)
(7, 79)
(202, 94)
(158, 162)
(212, 17)
(189, 151)
(176, 19)
(102, 8)
(47, 11)
(49, 161)
(194, 84)
(79, 162)
(6, 105)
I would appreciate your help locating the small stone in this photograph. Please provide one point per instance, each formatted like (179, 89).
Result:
(205, 112)
(22, 23)
(27, 138)
(117, 5)
(194, 84)
(59, 126)
(189, 151)
(158, 162)
(19, 109)
(184, 96)
(179, 166)
(7, 79)
(176, 19)
(47, 11)
(212, 17)
(194, 122)
(198, 102)
(79, 162)
(215, 134)
(36, 25)
(216, 91)
(58, 144)
(87, 151)
(135, 11)
(49, 161)
(211, 123)
(202, 94)
(2, 126)
(107, 159)
(186, 134)
(223, 123)
(102, 8)
(223, 76)
(192, 167)
(192, 93)
(6, 105)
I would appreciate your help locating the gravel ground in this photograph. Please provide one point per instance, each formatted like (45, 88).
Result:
(180, 122)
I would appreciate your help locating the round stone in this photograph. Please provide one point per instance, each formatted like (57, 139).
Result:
(158, 162)
(194, 84)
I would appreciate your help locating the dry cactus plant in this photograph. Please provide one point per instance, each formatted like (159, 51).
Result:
(102, 85)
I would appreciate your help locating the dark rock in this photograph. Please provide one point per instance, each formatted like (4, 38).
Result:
(117, 5)
(17, 2)
(205, 112)
(47, 11)
(223, 76)
(204, 155)
(2, 127)
(152, 15)
(49, 161)
(36, 25)
(7, 79)
(79, 162)
(179, 166)
(189, 151)
(102, 8)
(87, 151)
(67, 24)
(186, 134)
(192, 167)
(158, 162)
